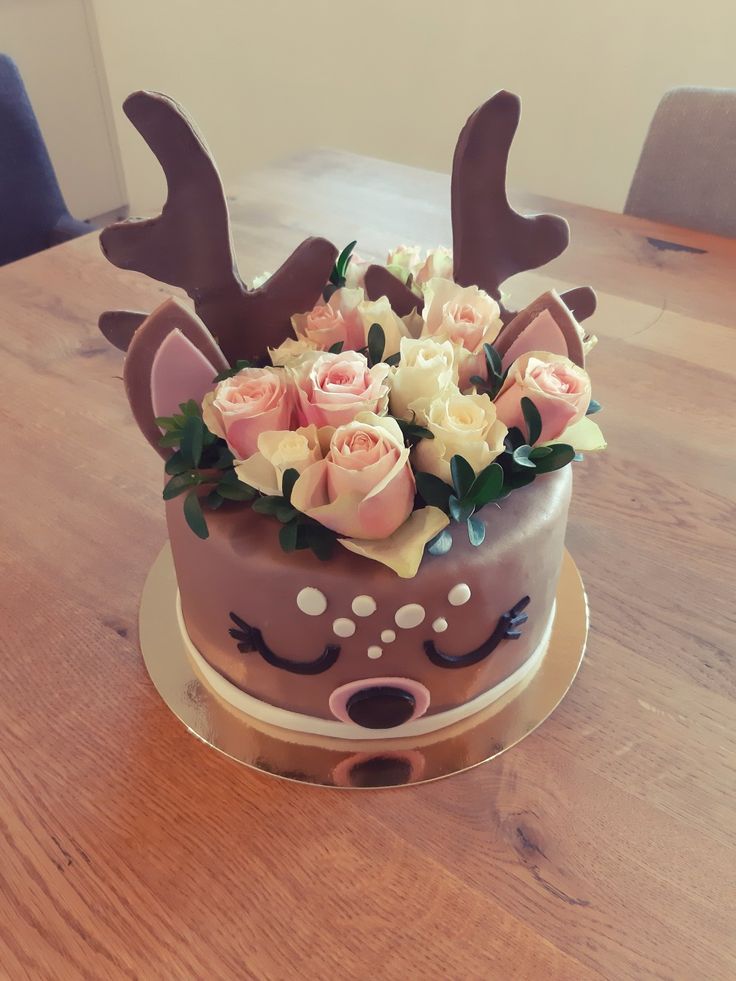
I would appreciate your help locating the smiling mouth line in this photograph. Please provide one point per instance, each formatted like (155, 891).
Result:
(505, 629)
(251, 639)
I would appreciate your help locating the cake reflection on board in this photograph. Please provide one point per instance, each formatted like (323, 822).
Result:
(366, 763)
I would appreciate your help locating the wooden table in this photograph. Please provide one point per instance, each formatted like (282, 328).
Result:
(602, 846)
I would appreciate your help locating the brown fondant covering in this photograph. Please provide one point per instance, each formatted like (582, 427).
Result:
(170, 315)
(189, 244)
(380, 282)
(551, 302)
(242, 569)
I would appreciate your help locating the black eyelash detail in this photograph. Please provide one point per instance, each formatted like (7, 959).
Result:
(251, 639)
(505, 628)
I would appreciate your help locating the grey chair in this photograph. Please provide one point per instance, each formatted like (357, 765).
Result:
(33, 214)
(686, 174)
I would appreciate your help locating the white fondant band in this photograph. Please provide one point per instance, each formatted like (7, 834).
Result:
(297, 722)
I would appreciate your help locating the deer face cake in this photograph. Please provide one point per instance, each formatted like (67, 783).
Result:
(367, 465)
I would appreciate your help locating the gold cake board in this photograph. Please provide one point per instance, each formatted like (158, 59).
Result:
(347, 763)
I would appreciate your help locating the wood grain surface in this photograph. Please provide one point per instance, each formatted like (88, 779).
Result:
(603, 846)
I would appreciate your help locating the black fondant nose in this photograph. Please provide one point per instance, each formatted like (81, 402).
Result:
(380, 707)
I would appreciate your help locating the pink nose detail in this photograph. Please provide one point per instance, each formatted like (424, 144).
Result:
(379, 703)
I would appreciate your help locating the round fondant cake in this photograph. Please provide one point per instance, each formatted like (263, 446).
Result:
(368, 465)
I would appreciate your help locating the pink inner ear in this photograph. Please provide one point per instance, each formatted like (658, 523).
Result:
(542, 334)
(179, 372)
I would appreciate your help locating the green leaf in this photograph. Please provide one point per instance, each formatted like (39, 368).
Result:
(236, 492)
(515, 437)
(522, 477)
(413, 433)
(288, 536)
(336, 347)
(393, 359)
(440, 544)
(463, 475)
(192, 440)
(214, 500)
(487, 486)
(532, 419)
(176, 464)
(190, 409)
(268, 504)
(593, 407)
(461, 510)
(180, 483)
(376, 344)
(288, 480)
(169, 423)
(476, 531)
(493, 360)
(561, 455)
(344, 258)
(285, 513)
(521, 456)
(236, 369)
(539, 452)
(170, 439)
(321, 541)
(194, 516)
(434, 491)
(223, 460)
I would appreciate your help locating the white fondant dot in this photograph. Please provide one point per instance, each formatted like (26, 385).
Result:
(343, 627)
(374, 652)
(409, 616)
(459, 594)
(440, 625)
(363, 606)
(388, 636)
(311, 601)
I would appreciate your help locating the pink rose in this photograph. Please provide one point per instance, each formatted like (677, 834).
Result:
(333, 388)
(252, 402)
(559, 389)
(364, 488)
(465, 316)
(336, 320)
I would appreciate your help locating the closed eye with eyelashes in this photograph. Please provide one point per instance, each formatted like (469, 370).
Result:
(251, 639)
(506, 628)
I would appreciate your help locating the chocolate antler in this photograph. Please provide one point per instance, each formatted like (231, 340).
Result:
(491, 241)
(189, 244)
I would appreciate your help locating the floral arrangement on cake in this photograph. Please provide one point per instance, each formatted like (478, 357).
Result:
(377, 432)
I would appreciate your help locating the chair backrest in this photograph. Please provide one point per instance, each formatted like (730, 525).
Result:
(686, 174)
(30, 200)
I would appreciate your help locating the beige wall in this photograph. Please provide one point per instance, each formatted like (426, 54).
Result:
(54, 44)
(396, 78)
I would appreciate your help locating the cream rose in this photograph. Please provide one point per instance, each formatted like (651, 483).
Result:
(404, 261)
(355, 272)
(336, 320)
(427, 367)
(394, 327)
(466, 316)
(332, 389)
(462, 424)
(246, 405)
(290, 350)
(558, 388)
(281, 451)
(437, 265)
(364, 488)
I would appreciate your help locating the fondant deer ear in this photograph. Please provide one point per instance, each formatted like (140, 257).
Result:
(118, 326)
(545, 325)
(172, 358)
